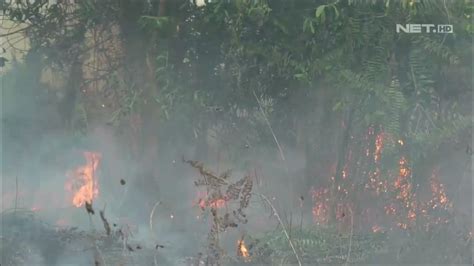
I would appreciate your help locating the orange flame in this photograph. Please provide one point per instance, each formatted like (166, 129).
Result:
(218, 203)
(403, 187)
(203, 201)
(406, 207)
(378, 146)
(242, 249)
(440, 199)
(377, 229)
(320, 210)
(83, 181)
(402, 183)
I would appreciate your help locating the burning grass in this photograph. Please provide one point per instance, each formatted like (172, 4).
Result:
(226, 202)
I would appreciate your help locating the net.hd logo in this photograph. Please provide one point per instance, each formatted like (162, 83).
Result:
(425, 28)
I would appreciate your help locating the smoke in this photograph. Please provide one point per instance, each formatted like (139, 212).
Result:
(38, 152)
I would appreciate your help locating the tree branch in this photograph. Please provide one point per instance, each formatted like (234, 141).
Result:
(16, 31)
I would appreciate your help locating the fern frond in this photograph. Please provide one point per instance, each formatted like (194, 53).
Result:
(436, 48)
(396, 103)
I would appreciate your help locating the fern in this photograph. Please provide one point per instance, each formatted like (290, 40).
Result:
(432, 139)
(436, 48)
(420, 72)
(396, 103)
(376, 68)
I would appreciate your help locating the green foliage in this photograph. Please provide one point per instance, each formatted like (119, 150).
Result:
(164, 25)
(430, 140)
(396, 103)
(317, 245)
(279, 49)
(436, 48)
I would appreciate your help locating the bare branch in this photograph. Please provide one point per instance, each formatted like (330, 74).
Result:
(16, 31)
(282, 226)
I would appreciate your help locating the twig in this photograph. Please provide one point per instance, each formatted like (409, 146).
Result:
(99, 254)
(154, 259)
(282, 225)
(282, 155)
(104, 221)
(350, 238)
(124, 196)
(290, 225)
(91, 224)
(205, 173)
(270, 127)
(16, 193)
(413, 77)
(463, 177)
(94, 241)
(428, 117)
(151, 217)
(15, 31)
(302, 210)
(449, 20)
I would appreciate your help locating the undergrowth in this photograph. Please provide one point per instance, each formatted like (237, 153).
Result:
(221, 191)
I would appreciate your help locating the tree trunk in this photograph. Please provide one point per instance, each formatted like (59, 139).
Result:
(139, 76)
(341, 162)
(319, 148)
(73, 86)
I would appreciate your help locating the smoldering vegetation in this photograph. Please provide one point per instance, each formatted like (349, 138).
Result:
(235, 133)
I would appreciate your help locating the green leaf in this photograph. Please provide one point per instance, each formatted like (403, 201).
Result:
(308, 24)
(337, 106)
(281, 26)
(299, 76)
(154, 22)
(320, 11)
(336, 11)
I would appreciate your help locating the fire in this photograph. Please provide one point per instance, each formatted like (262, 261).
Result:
(203, 201)
(377, 229)
(376, 184)
(403, 187)
(83, 181)
(242, 249)
(404, 170)
(320, 210)
(403, 206)
(218, 203)
(440, 199)
(378, 146)
(390, 209)
(402, 183)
